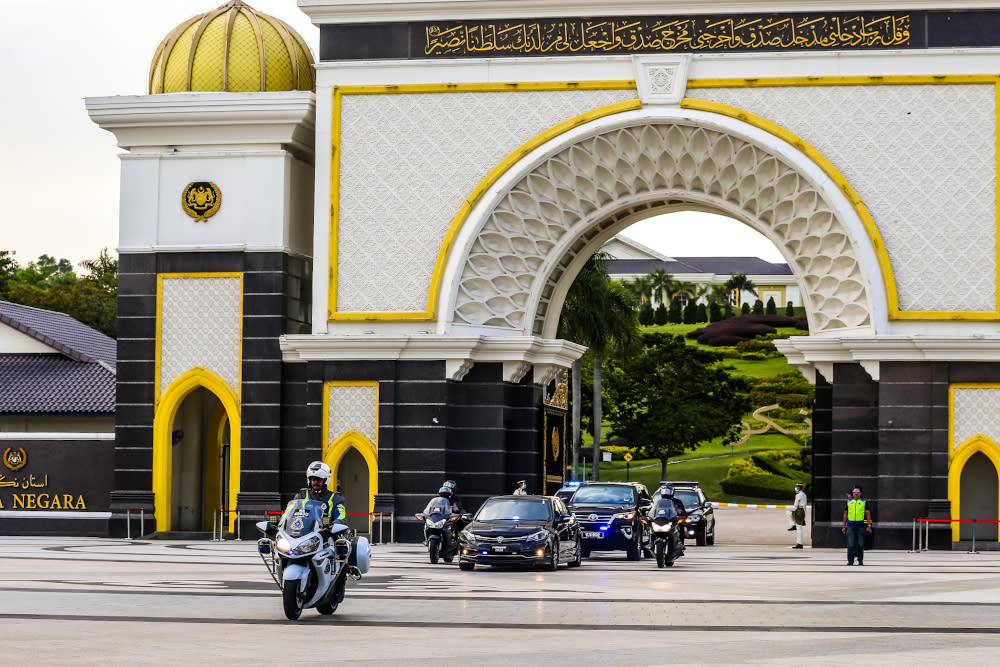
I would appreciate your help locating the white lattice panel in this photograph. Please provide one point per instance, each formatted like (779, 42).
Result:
(653, 161)
(200, 326)
(353, 407)
(977, 411)
(408, 162)
(922, 158)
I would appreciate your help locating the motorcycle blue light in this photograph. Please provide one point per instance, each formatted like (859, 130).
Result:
(264, 549)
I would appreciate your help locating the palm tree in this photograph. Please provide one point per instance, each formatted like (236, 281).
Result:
(741, 284)
(663, 285)
(641, 288)
(600, 314)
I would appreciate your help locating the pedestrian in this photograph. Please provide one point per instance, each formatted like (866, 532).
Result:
(857, 522)
(797, 515)
(521, 489)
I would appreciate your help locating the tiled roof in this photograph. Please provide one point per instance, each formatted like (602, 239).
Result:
(60, 331)
(51, 383)
(725, 266)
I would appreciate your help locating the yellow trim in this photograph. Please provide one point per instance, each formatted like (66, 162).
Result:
(801, 81)
(959, 456)
(159, 326)
(334, 451)
(780, 289)
(212, 461)
(463, 212)
(163, 424)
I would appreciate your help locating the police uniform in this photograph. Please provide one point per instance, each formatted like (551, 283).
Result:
(333, 503)
(856, 513)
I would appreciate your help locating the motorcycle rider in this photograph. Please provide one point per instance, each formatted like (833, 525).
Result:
(447, 490)
(667, 495)
(318, 477)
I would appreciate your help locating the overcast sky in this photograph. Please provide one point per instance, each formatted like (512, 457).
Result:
(59, 176)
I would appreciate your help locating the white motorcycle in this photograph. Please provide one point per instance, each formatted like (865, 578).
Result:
(310, 558)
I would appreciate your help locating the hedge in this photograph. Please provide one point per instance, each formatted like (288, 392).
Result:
(759, 486)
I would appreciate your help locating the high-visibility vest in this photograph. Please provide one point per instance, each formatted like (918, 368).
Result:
(856, 510)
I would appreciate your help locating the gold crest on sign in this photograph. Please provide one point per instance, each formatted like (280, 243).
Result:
(15, 459)
(555, 442)
(201, 200)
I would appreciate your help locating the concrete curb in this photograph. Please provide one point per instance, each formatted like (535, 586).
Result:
(760, 507)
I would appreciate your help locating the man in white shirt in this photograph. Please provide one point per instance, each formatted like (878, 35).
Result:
(797, 515)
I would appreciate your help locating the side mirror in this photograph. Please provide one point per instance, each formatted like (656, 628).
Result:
(466, 517)
(420, 515)
(645, 502)
(564, 518)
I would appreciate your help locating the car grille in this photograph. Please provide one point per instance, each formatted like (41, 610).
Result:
(598, 516)
(503, 539)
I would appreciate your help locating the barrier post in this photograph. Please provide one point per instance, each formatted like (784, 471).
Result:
(927, 536)
(128, 524)
(392, 527)
(973, 549)
(914, 547)
(142, 521)
(238, 538)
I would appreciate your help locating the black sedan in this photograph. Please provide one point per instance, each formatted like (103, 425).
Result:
(521, 530)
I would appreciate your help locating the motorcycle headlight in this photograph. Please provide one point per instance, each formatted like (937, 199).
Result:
(628, 516)
(537, 536)
(436, 524)
(308, 546)
(468, 535)
(283, 545)
(665, 528)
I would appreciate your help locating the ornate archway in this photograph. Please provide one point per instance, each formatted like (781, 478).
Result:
(977, 444)
(525, 241)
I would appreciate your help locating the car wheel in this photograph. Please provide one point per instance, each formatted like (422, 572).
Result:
(700, 538)
(553, 563)
(466, 566)
(710, 539)
(578, 561)
(586, 552)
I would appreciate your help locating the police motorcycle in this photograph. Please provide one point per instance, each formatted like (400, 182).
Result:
(440, 529)
(664, 521)
(310, 558)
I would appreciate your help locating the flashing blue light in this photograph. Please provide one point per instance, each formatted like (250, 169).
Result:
(486, 553)
(604, 527)
(572, 484)
(516, 518)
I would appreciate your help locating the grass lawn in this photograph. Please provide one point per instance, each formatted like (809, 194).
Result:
(708, 472)
(765, 368)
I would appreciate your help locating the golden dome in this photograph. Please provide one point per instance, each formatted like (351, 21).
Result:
(232, 49)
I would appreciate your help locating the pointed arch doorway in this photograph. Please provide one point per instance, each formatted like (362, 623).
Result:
(355, 474)
(974, 488)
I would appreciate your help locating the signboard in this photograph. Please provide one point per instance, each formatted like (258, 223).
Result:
(627, 457)
(554, 425)
(60, 475)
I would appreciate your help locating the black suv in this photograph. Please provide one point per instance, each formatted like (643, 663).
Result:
(610, 517)
(700, 520)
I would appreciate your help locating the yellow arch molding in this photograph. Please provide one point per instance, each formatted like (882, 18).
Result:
(874, 236)
(960, 456)
(212, 457)
(477, 192)
(344, 443)
(163, 423)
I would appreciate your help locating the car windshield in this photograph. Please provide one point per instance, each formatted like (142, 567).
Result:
(688, 497)
(300, 517)
(605, 495)
(439, 506)
(508, 509)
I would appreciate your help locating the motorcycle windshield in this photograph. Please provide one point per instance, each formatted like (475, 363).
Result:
(438, 508)
(301, 517)
(663, 509)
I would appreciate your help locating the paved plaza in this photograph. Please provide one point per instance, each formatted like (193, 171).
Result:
(103, 601)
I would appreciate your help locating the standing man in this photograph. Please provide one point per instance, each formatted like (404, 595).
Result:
(857, 522)
(521, 489)
(797, 515)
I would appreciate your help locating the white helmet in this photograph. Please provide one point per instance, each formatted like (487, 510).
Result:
(319, 469)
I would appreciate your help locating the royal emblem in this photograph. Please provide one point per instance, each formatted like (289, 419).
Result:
(555, 442)
(201, 200)
(15, 459)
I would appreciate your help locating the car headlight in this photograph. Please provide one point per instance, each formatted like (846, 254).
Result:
(537, 536)
(436, 524)
(308, 546)
(628, 516)
(468, 535)
(657, 528)
(283, 545)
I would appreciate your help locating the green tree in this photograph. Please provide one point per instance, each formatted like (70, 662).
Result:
(758, 307)
(663, 285)
(745, 308)
(660, 315)
(600, 314)
(741, 284)
(690, 312)
(669, 397)
(8, 269)
(714, 312)
(675, 315)
(790, 310)
(702, 314)
(641, 289)
(646, 315)
(771, 308)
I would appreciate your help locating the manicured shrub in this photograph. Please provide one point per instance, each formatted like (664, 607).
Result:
(770, 308)
(660, 316)
(674, 314)
(714, 312)
(646, 315)
(745, 309)
(790, 310)
(701, 313)
(758, 307)
(690, 312)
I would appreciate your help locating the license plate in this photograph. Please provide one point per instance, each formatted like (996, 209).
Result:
(592, 535)
(499, 549)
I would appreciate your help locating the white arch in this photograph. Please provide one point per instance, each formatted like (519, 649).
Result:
(566, 248)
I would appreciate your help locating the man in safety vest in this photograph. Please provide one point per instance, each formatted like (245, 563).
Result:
(857, 522)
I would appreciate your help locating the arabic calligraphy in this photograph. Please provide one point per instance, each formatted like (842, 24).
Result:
(651, 35)
(25, 482)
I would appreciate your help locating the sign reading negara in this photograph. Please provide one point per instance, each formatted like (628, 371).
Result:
(201, 200)
(60, 475)
(667, 34)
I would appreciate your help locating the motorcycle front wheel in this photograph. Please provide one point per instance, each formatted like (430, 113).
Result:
(434, 548)
(290, 599)
(659, 553)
